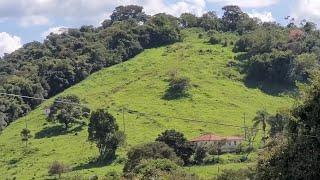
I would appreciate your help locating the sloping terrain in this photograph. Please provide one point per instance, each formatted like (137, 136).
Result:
(217, 95)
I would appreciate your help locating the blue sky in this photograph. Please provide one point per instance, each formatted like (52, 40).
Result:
(22, 21)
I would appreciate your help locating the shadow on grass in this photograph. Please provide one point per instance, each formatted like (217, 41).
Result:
(271, 88)
(92, 164)
(57, 130)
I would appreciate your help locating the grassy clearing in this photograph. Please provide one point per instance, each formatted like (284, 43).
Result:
(217, 95)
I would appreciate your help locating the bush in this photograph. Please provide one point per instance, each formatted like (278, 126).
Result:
(160, 169)
(58, 168)
(178, 88)
(214, 40)
(154, 150)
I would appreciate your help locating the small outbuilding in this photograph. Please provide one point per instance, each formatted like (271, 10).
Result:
(223, 143)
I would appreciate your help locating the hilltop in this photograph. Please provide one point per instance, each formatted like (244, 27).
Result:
(218, 95)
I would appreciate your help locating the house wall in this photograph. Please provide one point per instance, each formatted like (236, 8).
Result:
(230, 146)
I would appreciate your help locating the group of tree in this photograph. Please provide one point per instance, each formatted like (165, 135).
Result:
(163, 158)
(295, 154)
(42, 70)
(280, 55)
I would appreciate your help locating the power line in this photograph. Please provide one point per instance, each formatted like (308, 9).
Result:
(158, 115)
(208, 122)
(41, 99)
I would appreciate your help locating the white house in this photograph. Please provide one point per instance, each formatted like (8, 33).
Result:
(224, 143)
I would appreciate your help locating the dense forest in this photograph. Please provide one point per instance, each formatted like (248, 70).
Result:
(268, 53)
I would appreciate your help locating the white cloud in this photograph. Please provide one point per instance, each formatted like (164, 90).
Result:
(246, 3)
(9, 43)
(196, 7)
(307, 9)
(54, 30)
(263, 16)
(38, 12)
(34, 20)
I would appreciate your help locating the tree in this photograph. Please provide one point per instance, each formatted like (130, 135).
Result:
(297, 155)
(103, 130)
(278, 123)
(188, 20)
(25, 135)
(200, 154)
(67, 110)
(154, 150)
(261, 119)
(178, 142)
(210, 21)
(231, 17)
(122, 13)
(58, 168)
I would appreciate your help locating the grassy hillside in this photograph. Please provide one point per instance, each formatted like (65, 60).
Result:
(217, 95)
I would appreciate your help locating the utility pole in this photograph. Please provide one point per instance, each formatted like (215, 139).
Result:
(244, 125)
(123, 121)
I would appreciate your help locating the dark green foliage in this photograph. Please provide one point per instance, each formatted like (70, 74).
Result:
(25, 135)
(278, 123)
(210, 21)
(261, 119)
(214, 40)
(200, 154)
(161, 29)
(66, 110)
(45, 69)
(154, 150)
(122, 13)
(280, 56)
(103, 130)
(178, 88)
(298, 155)
(178, 142)
(274, 67)
(235, 20)
(188, 20)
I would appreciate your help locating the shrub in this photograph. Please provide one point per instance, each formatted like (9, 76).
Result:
(154, 150)
(58, 168)
(178, 88)
(214, 40)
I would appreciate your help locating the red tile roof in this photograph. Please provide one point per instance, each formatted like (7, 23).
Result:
(213, 137)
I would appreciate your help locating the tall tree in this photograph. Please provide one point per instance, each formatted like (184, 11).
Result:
(188, 20)
(261, 119)
(231, 17)
(178, 142)
(103, 130)
(122, 13)
(25, 135)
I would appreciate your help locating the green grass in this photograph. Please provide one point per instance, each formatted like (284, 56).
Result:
(217, 95)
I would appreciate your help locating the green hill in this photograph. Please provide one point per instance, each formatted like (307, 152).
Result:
(217, 95)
